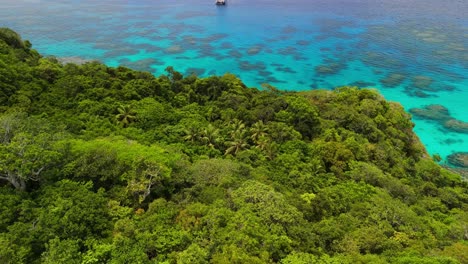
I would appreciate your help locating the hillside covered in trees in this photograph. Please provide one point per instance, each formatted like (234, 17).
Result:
(111, 165)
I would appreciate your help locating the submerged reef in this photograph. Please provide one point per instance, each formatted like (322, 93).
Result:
(431, 112)
(330, 68)
(73, 59)
(362, 84)
(459, 159)
(254, 50)
(393, 80)
(196, 71)
(174, 49)
(141, 65)
(422, 82)
(440, 114)
(456, 125)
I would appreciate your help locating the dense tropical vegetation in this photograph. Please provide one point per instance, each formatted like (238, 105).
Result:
(111, 165)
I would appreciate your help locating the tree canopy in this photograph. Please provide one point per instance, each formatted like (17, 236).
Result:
(112, 165)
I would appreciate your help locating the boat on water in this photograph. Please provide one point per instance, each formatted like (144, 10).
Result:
(220, 2)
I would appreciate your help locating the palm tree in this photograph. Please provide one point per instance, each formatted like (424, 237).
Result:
(238, 143)
(192, 134)
(126, 115)
(211, 136)
(268, 147)
(237, 126)
(263, 142)
(258, 130)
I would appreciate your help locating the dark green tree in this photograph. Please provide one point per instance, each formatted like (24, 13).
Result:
(126, 115)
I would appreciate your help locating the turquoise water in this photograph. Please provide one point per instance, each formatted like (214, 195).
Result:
(414, 51)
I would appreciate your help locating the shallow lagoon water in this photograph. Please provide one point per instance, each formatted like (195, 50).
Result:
(413, 51)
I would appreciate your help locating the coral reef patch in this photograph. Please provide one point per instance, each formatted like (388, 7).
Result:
(393, 80)
(332, 67)
(431, 112)
(73, 59)
(456, 125)
(459, 159)
(440, 114)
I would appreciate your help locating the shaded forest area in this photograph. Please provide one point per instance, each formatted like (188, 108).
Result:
(112, 165)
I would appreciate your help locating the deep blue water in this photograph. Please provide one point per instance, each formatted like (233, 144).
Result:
(414, 51)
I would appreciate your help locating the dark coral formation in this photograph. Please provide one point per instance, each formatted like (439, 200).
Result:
(456, 125)
(235, 54)
(285, 69)
(254, 50)
(293, 52)
(380, 60)
(440, 114)
(196, 71)
(362, 84)
(249, 66)
(174, 49)
(141, 65)
(303, 42)
(451, 141)
(422, 82)
(418, 93)
(424, 86)
(393, 80)
(459, 159)
(73, 59)
(330, 68)
(432, 112)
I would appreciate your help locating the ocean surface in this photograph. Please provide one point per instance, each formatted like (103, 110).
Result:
(413, 51)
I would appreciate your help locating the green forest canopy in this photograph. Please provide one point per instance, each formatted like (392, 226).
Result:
(111, 165)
